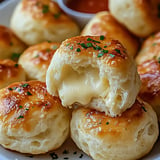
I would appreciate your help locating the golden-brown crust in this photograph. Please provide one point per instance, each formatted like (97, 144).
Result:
(103, 124)
(20, 100)
(105, 24)
(110, 51)
(150, 49)
(149, 72)
(10, 72)
(9, 43)
(36, 59)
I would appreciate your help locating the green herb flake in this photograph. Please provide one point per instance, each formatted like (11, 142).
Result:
(68, 44)
(158, 59)
(29, 93)
(81, 156)
(57, 15)
(54, 155)
(100, 55)
(11, 43)
(27, 109)
(105, 51)
(89, 39)
(20, 106)
(20, 117)
(54, 47)
(36, 56)
(118, 51)
(144, 108)
(14, 88)
(78, 50)
(71, 47)
(112, 55)
(10, 89)
(101, 37)
(107, 123)
(16, 65)
(15, 56)
(65, 152)
(98, 48)
(25, 85)
(83, 45)
(89, 45)
(154, 44)
(19, 89)
(45, 9)
(48, 49)
(105, 46)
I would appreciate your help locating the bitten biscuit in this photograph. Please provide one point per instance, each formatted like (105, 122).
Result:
(31, 120)
(10, 72)
(141, 17)
(41, 20)
(93, 71)
(103, 23)
(127, 137)
(10, 45)
(36, 59)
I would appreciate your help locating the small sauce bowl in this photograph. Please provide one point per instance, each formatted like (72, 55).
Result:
(80, 17)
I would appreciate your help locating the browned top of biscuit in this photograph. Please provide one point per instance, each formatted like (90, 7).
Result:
(9, 69)
(8, 38)
(149, 72)
(100, 124)
(40, 54)
(110, 51)
(20, 103)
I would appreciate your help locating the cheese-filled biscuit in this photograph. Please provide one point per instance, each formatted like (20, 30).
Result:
(94, 71)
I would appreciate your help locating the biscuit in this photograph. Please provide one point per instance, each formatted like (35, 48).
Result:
(140, 17)
(36, 59)
(93, 71)
(103, 23)
(31, 120)
(10, 72)
(149, 72)
(10, 45)
(127, 137)
(42, 20)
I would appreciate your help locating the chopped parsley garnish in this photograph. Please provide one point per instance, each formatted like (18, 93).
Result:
(78, 49)
(158, 59)
(20, 106)
(112, 55)
(89, 44)
(54, 47)
(25, 85)
(29, 93)
(15, 56)
(16, 65)
(101, 37)
(48, 49)
(118, 51)
(68, 44)
(144, 108)
(14, 88)
(154, 44)
(107, 123)
(89, 39)
(100, 54)
(10, 89)
(71, 48)
(27, 109)
(57, 15)
(45, 9)
(54, 155)
(20, 117)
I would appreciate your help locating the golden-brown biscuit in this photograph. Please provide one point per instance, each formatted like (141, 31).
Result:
(141, 17)
(41, 20)
(36, 59)
(149, 72)
(31, 120)
(128, 137)
(10, 72)
(150, 49)
(93, 71)
(103, 23)
(10, 45)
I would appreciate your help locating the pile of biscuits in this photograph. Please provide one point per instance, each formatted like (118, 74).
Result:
(98, 85)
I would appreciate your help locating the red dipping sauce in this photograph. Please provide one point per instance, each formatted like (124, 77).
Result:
(88, 6)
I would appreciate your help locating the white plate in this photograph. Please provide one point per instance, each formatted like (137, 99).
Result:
(68, 150)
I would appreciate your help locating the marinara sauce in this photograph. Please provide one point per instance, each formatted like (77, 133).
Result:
(88, 6)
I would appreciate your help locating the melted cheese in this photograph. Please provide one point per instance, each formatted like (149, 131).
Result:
(80, 86)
